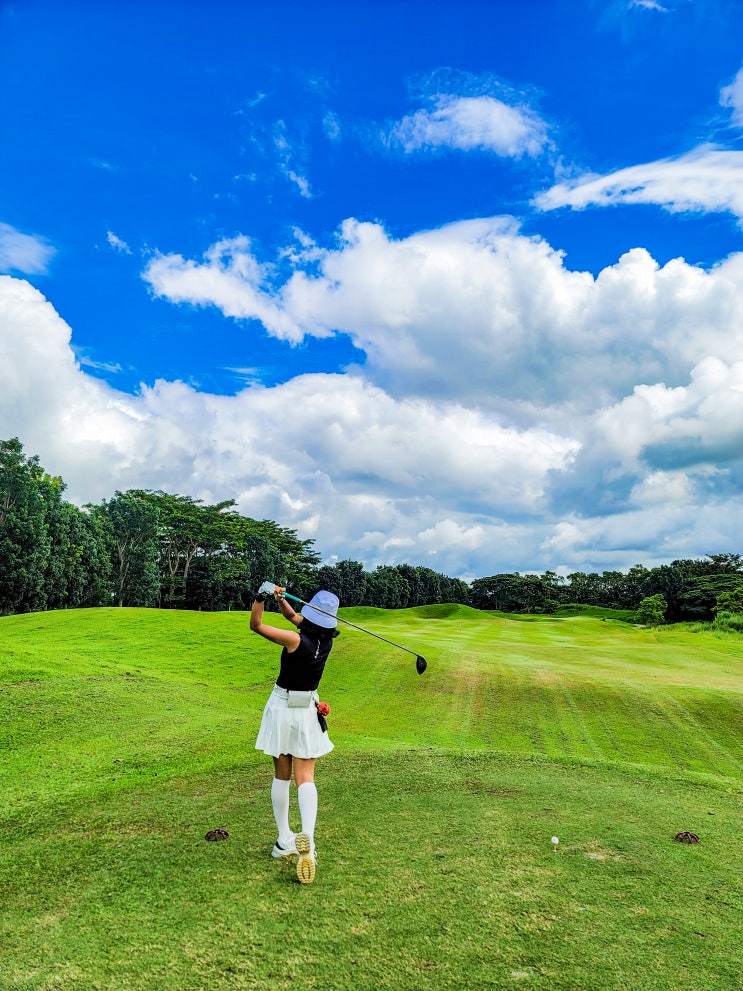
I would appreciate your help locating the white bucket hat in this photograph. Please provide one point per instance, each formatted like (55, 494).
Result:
(328, 603)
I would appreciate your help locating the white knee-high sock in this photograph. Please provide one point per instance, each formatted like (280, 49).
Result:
(280, 803)
(307, 796)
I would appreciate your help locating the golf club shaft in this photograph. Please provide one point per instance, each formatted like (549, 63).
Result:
(294, 598)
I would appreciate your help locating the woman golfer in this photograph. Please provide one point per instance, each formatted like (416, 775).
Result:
(291, 730)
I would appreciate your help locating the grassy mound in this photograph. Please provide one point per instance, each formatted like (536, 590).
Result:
(445, 610)
(442, 610)
(597, 612)
(127, 734)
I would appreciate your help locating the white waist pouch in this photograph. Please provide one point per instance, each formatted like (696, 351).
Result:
(300, 700)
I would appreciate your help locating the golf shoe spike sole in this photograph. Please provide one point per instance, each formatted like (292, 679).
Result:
(305, 860)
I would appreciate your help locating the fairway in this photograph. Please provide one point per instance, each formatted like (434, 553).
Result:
(127, 734)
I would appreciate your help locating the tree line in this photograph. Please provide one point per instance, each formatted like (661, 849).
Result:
(691, 589)
(153, 548)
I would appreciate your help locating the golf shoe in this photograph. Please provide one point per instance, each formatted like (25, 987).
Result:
(287, 849)
(305, 859)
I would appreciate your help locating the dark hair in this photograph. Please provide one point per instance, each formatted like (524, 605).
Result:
(318, 633)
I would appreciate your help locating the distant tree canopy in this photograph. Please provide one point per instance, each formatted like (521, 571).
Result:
(393, 586)
(731, 602)
(154, 548)
(652, 610)
(690, 588)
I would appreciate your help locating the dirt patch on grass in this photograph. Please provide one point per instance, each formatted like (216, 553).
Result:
(548, 676)
(597, 851)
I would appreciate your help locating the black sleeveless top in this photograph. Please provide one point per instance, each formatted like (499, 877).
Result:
(302, 670)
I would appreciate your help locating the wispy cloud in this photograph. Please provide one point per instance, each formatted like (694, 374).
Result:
(117, 244)
(649, 5)
(87, 358)
(707, 179)
(732, 96)
(26, 253)
(331, 125)
(274, 150)
(246, 376)
(86, 361)
(299, 181)
(287, 159)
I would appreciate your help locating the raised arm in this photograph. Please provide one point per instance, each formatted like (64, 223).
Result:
(291, 614)
(285, 638)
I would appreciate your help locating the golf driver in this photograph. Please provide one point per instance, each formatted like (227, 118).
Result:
(420, 662)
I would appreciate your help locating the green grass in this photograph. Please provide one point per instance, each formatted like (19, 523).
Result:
(126, 734)
(598, 612)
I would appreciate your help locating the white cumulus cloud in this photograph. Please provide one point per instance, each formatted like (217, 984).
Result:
(476, 312)
(699, 424)
(357, 462)
(509, 413)
(229, 277)
(472, 123)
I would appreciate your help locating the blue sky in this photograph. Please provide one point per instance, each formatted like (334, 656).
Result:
(453, 284)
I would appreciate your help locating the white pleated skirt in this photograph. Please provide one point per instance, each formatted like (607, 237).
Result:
(291, 731)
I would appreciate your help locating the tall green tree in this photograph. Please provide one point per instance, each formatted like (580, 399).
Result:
(180, 526)
(499, 592)
(582, 588)
(132, 527)
(670, 581)
(90, 580)
(78, 567)
(386, 588)
(260, 560)
(429, 585)
(455, 590)
(410, 574)
(347, 579)
(232, 563)
(186, 529)
(24, 540)
(632, 588)
(300, 557)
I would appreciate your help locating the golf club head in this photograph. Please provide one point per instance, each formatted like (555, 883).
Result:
(420, 664)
